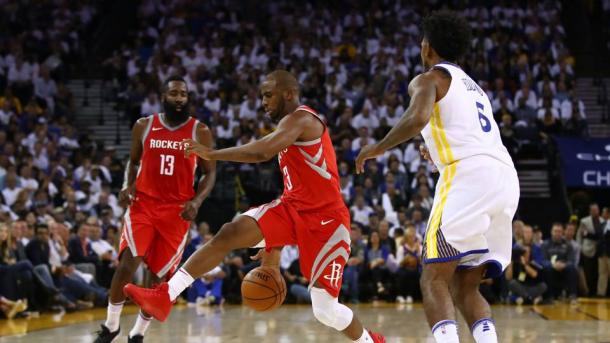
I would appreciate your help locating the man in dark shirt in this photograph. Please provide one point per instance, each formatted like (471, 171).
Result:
(37, 250)
(524, 277)
(559, 264)
(79, 247)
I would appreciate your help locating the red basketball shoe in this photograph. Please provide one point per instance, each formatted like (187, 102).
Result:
(377, 337)
(154, 301)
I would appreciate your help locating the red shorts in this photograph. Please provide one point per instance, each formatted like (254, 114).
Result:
(156, 232)
(323, 239)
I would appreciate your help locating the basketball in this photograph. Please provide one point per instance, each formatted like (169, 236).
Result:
(263, 289)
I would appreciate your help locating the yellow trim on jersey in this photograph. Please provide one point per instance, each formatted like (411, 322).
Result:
(436, 135)
(440, 131)
(446, 157)
(437, 212)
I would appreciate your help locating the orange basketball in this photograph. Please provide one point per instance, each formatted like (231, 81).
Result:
(263, 289)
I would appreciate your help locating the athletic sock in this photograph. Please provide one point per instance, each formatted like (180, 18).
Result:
(113, 316)
(365, 338)
(141, 325)
(178, 283)
(445, 331)
(484, 331)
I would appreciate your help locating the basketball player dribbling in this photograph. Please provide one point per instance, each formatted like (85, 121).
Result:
(310, 213)
(160, 200)
(469, 231)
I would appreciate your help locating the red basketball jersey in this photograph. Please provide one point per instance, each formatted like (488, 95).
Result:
(164, 173)
(311, 178)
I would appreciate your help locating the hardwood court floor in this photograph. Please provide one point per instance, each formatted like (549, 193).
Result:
(589, 322)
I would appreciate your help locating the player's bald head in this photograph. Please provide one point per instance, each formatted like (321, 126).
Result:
(283, 80)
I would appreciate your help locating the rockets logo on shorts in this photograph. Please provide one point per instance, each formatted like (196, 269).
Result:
(335, 274)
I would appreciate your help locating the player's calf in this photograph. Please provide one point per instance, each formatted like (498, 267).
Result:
(437, 300)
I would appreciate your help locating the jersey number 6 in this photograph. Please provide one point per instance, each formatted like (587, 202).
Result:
(485, 123)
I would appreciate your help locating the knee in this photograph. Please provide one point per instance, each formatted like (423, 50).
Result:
(323, 315)
(328, 311)
(25, 265)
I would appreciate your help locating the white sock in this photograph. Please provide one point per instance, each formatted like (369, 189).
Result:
(139, 328)
(484, 331)
(445, 331)
(113, 316)
(365, 338)
(178, 283)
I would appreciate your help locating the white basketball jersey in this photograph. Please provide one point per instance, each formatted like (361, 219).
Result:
(462, 123)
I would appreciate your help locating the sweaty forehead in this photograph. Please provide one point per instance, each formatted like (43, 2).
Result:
(268, 85)
(176, 85)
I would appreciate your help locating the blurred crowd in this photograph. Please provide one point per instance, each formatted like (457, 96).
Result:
(58, 205)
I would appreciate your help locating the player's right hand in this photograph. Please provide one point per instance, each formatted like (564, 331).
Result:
(126, 195)
(425, 153)
(192, 147)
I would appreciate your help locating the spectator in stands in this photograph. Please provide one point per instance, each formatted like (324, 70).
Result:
(524, 277)
(526, 115)
(588, 236)
(361, 211)
(559, 264)
(576, 125)
(81, 251)
(417, 205)
(108, 257)
(207, 290)
(570, 236)
(376, 257)
(548, 125)
(38, 252)
(354, 264)
(18, 274)
(384, 236)
(291, 269)
(518, 231)
(150, 105)
(409, 267)
(528, 241)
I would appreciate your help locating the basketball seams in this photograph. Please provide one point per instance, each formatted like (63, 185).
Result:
(260, 284)
(281, 289)
(279, 293)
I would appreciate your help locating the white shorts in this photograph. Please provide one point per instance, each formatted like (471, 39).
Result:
(471, 221)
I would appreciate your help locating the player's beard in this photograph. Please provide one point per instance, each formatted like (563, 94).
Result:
(173, 114)
(279, 111)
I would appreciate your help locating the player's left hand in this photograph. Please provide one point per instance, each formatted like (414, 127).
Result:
(366, 153)
(189, 210)
(192, 147)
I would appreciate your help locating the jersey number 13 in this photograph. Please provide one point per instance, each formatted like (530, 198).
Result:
(167, 164)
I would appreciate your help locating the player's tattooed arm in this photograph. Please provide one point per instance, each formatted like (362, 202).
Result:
(128, 192)
(207, 181)
(423, 95)
(288, 131)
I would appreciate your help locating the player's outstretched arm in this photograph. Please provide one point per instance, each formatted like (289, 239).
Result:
(206, 183)
(288, 131)
(423, 95)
